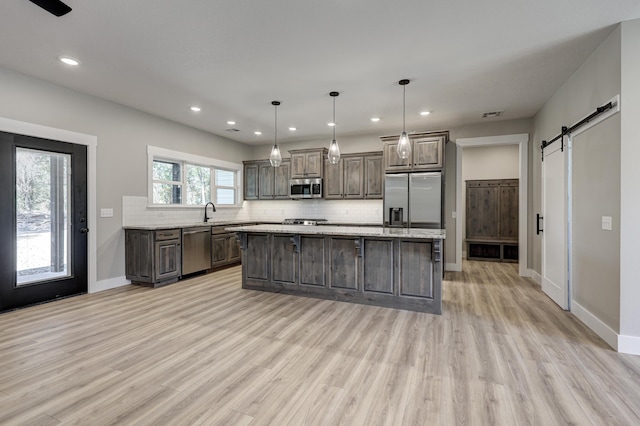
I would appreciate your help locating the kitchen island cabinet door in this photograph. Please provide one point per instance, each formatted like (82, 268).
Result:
(343, 262)
(378, 266)
(257, 254)
(312, 260)
(416, 269)
(284, 258)
(233, 249)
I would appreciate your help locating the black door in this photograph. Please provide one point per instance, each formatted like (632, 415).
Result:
(43, 220)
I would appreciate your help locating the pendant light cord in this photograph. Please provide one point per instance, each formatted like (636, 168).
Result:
(275, 139)
(404, 101)
(334, 118)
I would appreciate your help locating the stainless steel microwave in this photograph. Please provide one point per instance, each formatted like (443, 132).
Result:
(306, 188)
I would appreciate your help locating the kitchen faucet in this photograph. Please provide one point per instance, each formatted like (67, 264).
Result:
(206, 218)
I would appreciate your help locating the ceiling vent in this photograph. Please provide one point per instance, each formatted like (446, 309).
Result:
(492, 114)
(232, 130)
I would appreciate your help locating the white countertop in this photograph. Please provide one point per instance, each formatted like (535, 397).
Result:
(359, 231)
(187, 225)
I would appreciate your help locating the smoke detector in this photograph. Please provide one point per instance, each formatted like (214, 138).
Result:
(492, 114)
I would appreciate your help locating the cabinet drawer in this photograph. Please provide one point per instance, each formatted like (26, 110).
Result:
(218, 230)
(167, 234)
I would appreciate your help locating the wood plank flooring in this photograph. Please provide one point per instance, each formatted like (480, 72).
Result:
(205, 352)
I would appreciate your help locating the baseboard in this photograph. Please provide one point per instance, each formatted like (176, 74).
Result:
(535, 276)
(629, 344)
(109, 283)
(452, 267)
(605, 332)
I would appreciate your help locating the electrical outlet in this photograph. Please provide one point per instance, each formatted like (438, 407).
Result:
(606, 223)
(106, 212)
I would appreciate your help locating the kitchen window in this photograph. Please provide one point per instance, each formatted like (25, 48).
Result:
(183, 180)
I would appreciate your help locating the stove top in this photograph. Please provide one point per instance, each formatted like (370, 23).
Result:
(302, 221)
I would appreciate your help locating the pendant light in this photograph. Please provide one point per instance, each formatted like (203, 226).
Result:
(404, 145)
(334, 150)
(275, 158)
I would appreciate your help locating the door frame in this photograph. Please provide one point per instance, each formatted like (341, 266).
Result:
(522, 140)
(36, 130)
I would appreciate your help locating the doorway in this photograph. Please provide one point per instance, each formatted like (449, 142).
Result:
(521, 140)
(44, 218)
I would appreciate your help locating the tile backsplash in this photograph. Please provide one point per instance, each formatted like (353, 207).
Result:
(135, 212)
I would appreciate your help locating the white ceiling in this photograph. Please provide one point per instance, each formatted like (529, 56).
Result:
(233, 57)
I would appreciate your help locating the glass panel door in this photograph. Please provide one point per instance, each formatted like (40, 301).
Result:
(42, 215)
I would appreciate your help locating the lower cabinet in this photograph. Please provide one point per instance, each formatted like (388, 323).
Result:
(393, 272)
(225, 248)
(153, 257)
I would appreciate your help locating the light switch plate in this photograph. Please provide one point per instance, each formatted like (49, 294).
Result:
(453, 215)
(606, 223)
(106, 212)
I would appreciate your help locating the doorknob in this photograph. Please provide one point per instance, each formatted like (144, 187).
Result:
(84, 230)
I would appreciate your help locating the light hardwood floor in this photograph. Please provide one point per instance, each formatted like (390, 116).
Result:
(204, 351)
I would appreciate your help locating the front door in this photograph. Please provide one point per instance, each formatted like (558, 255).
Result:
(555, 190)
(43, 220)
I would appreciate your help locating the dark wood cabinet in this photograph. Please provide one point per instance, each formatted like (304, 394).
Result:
(262, 181)
(395, 272)
(225, 248)
(356, 176)
(307, 163)
(152, 257)
(373, 176)
(427, 152)
(344, 253)
(251, 180)
(284, 259)
(492, 219)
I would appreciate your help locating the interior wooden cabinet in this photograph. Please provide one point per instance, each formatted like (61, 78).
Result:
(492, 219)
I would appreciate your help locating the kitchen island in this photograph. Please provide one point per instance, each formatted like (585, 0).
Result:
(391, 267)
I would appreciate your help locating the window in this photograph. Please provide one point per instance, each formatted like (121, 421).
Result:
(179, 179)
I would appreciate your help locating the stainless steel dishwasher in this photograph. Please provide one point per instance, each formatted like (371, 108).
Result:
(196, 249)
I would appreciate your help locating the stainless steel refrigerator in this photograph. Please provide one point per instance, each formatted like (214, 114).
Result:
(413, 200)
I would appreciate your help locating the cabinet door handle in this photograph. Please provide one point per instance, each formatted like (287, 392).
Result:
(538, 219)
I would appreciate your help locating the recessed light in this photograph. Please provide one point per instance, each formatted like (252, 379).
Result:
(425, 113)
(331, 124)
(231, 123)
(293, 129)
(375, 119)
(69, 60)
(195, 109)
(257, 133)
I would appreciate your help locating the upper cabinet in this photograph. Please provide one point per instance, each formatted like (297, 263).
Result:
(355, 176)
(307, 163)
(427, 152)
(262, 181)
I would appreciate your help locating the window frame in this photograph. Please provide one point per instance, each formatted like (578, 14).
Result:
(163, 154)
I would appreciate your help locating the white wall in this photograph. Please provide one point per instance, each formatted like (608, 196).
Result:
(629, 192)
(123, 135)
(595, 180)
(487, 162)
